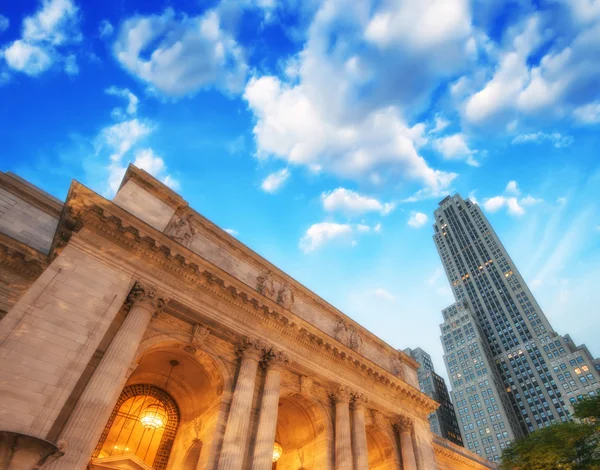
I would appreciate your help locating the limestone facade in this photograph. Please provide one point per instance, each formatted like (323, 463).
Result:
(141, 335)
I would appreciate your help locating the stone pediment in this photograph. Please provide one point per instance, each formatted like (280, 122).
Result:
(119, 462)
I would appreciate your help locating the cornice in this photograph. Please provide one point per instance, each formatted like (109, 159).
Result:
(148, 182)
(30, 194)
(21, 259)
(219, 236)
(86, 208)
(458, 454)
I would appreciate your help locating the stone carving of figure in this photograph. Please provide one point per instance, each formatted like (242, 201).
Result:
(355, 341)
(181, 230)
(266, 286)
(199, 334)
(285, 297)
(397, 369)
(343, 333)
(306, 384)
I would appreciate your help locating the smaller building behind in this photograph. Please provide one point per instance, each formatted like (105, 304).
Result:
(443, 421)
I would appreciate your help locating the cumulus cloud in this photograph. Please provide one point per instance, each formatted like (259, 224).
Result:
(45, 35)
(132, 102)
(273, 182)
(556, 139)
(319, 234)
(178, 54)
(588, 113)
(512, 188)
(417, 219)
(351, 202)
(455, 147)
(514, 205)
(341, 108)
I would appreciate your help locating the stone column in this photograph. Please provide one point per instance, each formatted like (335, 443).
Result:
(236, 431)
(404, 427)
(343, 443)
(267, 421)
(359, 433)
(88, 419)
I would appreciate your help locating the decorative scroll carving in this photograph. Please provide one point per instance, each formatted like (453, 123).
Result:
(359, 400)
(348, 336)
(266, 285)
(341, 393)
(306, 384)
(181, 230)
(404, 424)
(275, 359)
(397, 368)
(285, 297)
(147, 296)
(251, 347)
(199, 334)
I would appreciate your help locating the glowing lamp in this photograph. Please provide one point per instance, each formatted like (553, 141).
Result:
(154, 417)
(277, 451)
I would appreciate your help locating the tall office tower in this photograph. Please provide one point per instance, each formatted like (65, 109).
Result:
(540, 372)
(442, 421)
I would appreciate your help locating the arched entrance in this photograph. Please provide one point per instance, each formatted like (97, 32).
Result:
(382, 450)
(193, 384)
(142, 426)
(302, 434)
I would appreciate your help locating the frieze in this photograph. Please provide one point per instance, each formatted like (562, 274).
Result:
(20, 263)
(130, 237)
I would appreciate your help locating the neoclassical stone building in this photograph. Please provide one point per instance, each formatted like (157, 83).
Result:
(136, 334)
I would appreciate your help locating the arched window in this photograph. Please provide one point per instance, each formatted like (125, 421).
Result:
(143, 423)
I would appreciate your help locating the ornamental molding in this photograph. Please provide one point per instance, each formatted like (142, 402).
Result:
(85, 207)
(404, 424)
(146, 296)
(471, 461)
(21, 259)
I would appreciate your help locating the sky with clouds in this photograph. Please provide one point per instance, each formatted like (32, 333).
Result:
(323, 133)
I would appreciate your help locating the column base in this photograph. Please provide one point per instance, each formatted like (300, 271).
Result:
(22, 452)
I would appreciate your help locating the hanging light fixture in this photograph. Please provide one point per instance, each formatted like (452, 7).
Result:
(155, 415)
(277, 451)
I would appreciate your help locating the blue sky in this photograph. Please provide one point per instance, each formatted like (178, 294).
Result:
(323, 134)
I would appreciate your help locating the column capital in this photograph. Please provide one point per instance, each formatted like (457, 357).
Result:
(404, 424)
(251, 348)
(359, 401)
(275, 359)
(147, 296)
(341, 394)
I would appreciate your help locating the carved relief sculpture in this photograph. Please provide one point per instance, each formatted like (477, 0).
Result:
(306, 384)
(199, 334)
(265, 285)
(285, 297)
(348, 336)
(397, 369)
(181, 230)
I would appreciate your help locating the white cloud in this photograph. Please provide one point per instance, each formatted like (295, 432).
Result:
(71, 67)
(231, 231)
(455, 147)
(341, 107)
(377, 228)
(4, 23)
(556, 139)
(275, 180)
(121, 137)
(363, 228)
(44, 36)
(512, 188)
(417, 219)
(348, 201)
(179, 54)
(495, 203)
(319, 234)
(155, 165)
(530, 201)
(27, 58)
(588, 113)
(440, 124)
(105, 29)
(132, 102)
(294, 128)
(384, 294)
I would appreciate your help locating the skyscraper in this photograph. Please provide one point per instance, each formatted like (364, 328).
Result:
(497, 339)
(443, 420)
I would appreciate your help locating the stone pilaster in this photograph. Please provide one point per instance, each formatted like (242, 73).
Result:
(236, 431)
(405, 427)
(359, 433)
(88, 419)
(343, 442)
(275, 361)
